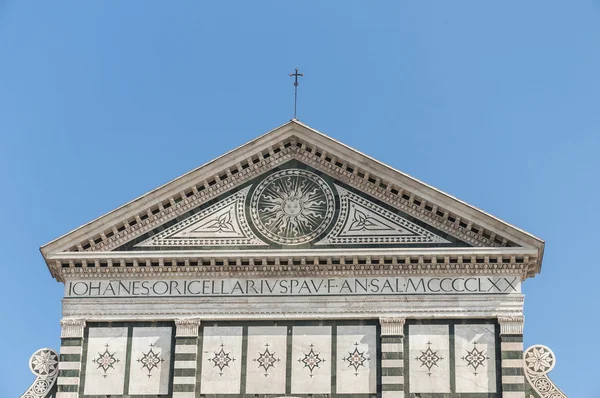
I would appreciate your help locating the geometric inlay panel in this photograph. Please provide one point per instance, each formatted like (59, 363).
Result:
(267, 359)
(221, 360)
(356, 367)
(311, 360)
(150, 361)
(475, 358)
(222, 224)
(364, 222)
(429, 358)
(106, 360)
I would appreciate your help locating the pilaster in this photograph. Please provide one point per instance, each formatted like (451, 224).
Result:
(511, 348)
(186, 352)
(69, 366)
(392, 357)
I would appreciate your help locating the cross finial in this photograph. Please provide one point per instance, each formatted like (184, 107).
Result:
(296, 74)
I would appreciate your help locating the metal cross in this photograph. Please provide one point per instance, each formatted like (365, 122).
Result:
(296, 74)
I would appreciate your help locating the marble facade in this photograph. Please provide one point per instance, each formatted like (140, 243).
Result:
(294, 266)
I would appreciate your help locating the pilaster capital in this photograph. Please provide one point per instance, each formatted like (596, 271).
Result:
(71, 327)
(392, 326)
(187, 327)
(511, 324)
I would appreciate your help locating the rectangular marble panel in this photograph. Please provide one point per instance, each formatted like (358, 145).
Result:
(150, 361)
(429, 358)
(105, 363)
(221, 360)
(356, 362)
(311, 360)
(475, 355)
(266, 360)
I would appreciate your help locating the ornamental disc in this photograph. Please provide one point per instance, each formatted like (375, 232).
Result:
(292, 207)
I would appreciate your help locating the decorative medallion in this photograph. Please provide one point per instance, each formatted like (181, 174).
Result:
(266, 360)
(356, 359)
(291, 207)
(311, 360)
(539, 359)
(221, 360)
(364, 222)
(475, 358)
(222, 224)
(150, 360)
(429, 358)
(44, 363)
(106, 360)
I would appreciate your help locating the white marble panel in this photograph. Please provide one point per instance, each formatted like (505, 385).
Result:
(311, 360)
(429, 358)
(356, 362)
(475, 355)
(266, 363)
(221, 360)
(150, 361)
(105, 363)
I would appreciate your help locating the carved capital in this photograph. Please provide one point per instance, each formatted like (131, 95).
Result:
(72, 328)
(187, 327)
(511, 325)
(392, 326)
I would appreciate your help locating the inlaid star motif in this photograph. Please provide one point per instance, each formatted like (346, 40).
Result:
(475, 358)
(150, 360)
(356, 359)
(106, 360)
(266, 360)
(539, 359)
(44, 362)
(311, 360)
(221, 360)
(429, 358)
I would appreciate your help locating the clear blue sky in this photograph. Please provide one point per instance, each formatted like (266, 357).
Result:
(497, 103)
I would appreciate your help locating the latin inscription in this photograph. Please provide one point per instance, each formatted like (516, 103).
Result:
(293, 287)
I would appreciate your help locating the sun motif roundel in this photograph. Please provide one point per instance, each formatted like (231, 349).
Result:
(292, 206)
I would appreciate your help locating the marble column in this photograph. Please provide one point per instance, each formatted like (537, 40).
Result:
(186, 352)
(392, 357)
(511, 348)
(69, 366)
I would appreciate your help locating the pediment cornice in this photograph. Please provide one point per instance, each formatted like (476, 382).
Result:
(291, 141)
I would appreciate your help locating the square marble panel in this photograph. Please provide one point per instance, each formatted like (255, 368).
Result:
(311, 360)
(221, 360)
(429, 358)
(150, 361)
(266, 360)
(105, 363)
(475, 355)
(356, 362)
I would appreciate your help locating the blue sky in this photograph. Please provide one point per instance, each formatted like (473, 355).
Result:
(495, 103)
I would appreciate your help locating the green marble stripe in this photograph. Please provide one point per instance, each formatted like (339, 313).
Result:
(68, 373)
(186, 340)
(512, 354)
(513, 387)
(70, 358)
(517, 338)
(185, 357)
(183, 387)
(391, 339)
(392, 355)
(512, 372)
(392, 387)
(392, 371)
(71, 342)
(68, 388)
(185, 372)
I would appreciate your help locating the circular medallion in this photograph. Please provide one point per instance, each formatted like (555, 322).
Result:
(539, 359)
(292, 207)
(44, 363)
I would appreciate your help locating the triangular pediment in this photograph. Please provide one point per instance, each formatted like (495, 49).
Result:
(292, 188)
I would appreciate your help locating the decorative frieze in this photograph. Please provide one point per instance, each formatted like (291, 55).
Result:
(187, 327)
(72, 328)
(511, 325)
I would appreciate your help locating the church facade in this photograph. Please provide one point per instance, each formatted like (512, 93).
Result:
(294, 266)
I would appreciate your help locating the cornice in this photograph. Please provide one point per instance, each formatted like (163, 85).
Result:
(277, 263)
